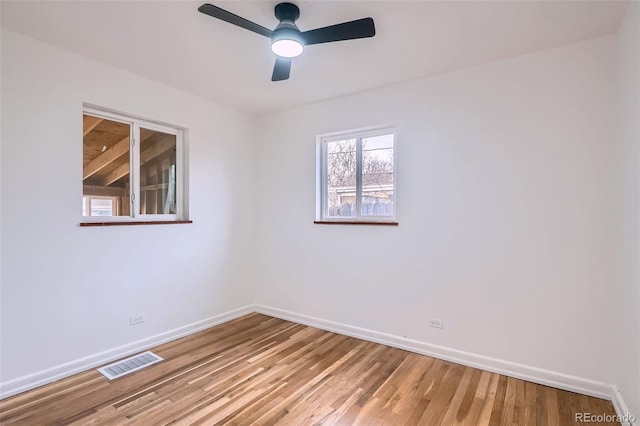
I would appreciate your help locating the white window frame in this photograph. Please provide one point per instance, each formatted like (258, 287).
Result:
(135, 123)
(322, 209)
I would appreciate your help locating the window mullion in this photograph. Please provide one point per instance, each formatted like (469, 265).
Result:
(179, 178)
(358, 176)
(324, 189)
(135, 169)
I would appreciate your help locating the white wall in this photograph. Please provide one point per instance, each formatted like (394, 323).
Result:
(627, 324)
(67, 291)
(505, 177)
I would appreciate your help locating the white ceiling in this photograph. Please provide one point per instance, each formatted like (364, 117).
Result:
(171, 42)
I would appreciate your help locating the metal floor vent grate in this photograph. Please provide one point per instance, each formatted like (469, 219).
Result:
(129, 365)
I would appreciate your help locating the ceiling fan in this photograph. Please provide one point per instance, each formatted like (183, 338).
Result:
(287, 41)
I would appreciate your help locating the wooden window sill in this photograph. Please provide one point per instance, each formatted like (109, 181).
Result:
(136, 222)
(353, 222)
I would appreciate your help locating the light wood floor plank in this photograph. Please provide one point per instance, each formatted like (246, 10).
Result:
(258, 370)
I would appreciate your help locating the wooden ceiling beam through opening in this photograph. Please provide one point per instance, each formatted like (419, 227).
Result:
(106, 158)
(147, 155)
(89, 124)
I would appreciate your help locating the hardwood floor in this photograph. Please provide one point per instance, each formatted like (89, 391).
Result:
(261, 370)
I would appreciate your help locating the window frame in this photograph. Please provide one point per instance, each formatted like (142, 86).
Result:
(135, 123)
(322, 205)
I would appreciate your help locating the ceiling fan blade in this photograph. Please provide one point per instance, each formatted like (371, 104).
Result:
(216, 12)
(281, 69)
(361, 28)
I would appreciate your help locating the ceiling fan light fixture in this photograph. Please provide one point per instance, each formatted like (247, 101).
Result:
(287, 41)
(287, 48)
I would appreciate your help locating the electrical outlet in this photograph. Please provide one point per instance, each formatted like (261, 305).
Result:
(436, 323)
(136, 319)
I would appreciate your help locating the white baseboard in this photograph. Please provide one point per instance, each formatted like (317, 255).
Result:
(507, 368)
(621, 408)
(61, 371)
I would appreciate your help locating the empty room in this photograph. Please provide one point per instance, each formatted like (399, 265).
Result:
(320, 212)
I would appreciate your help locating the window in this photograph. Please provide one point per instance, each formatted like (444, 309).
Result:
(356, 181)
(132, 169)
(99, 206)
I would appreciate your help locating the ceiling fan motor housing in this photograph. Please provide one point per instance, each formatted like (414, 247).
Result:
(287, 13)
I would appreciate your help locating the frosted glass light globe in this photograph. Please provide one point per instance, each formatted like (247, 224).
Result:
(287, 48)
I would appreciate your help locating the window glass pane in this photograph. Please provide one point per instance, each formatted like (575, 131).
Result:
(157, 172)
(341, 178)
(105, 173)
(101, 206)
(377, 176)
